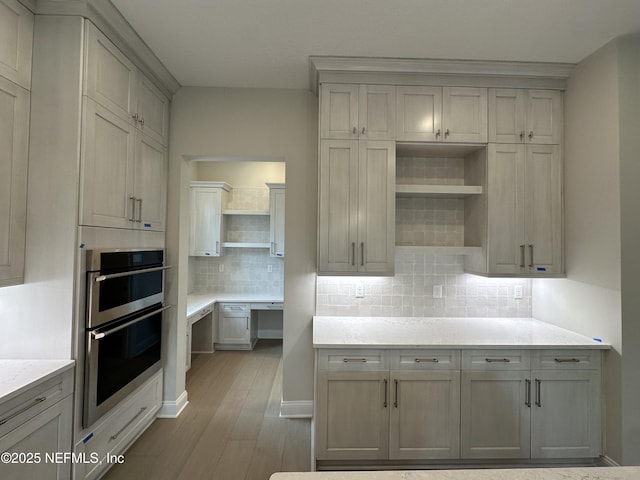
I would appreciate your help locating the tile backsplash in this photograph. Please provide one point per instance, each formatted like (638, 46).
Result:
(410, 292)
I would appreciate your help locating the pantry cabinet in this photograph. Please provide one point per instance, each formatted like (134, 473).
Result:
(441, 114)
(16, 25)
(524, 210)
(207, 201)
(525, 116)
(365, 112)
(124, 174)
(357, 207)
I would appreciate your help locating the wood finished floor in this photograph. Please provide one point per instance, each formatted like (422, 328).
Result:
(231, 428)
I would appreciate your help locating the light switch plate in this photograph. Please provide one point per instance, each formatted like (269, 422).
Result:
(437, 291)
(517, 292)
(269, 268)
(360, 290)
(221, 267)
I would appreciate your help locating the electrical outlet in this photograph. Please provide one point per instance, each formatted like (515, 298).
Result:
(517, 292)
(437, 291)
(269, 268)
(360, 290)
(221, 267)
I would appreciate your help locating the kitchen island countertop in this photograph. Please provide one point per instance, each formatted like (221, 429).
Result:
(578, 473)
(443, 332)
(18, 376)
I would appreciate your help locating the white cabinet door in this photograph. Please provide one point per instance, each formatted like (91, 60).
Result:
(338, 111)
(107, 174)
(505, 209)
(110, 77)
(565, 414)
(45, 434)
(495, 419)
(544, 116)
(352, 415)
(276, 221)
(234, 330)
(543, 209)
(375, 245)
(206, 211)
(377, 112)
(338, 206)
(425, 415)
(152, 110)
(14, 152)
(16, 42)
(419, 113)
(464, 114)
(507, 115)
(150, 185)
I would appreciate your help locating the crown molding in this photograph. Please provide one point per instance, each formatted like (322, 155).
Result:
(400, 69)
(110, 21)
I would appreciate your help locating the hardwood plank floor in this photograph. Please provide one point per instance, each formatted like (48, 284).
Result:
(231, 429)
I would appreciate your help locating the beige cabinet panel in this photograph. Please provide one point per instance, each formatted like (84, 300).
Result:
(338, 111)
(152, 110)
(150, 185)
(419, 113)
(544, 116)
(206, 211)
(464, 114)
(352, 417)
(377, 112)
(234, 329)
(507, 115)
(16, 42)
(425, 415)
(14, 152)
(495, 419)
(110, 77)
(276, 220)
(107, 173)
(565, 414)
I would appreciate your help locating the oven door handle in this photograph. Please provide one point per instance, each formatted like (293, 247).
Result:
(102, 278)
(97, 335)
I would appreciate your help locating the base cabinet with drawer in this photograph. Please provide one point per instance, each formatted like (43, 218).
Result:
(388, 406)
(237, 327)
(36, 425)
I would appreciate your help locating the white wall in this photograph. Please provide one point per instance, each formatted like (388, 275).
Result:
(240, 173)
(252, 123)
(601, 295)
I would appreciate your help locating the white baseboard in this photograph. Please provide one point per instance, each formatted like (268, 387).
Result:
(174, 409)
(296, 409)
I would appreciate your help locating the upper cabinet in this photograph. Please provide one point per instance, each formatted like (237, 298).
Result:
(113, 81)
(441, 114)
(276, 219)
(16, 40)
(525, 116)
(207, 202)
(365, 112)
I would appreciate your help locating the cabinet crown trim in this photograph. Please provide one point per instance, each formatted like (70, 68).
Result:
(373, 65)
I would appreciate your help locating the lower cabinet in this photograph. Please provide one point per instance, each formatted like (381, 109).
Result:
(237, 327)
(392, 405)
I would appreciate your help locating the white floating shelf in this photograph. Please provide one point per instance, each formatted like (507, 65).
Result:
(444, 191)
(245, 245)
(438, 250)
(245, 212)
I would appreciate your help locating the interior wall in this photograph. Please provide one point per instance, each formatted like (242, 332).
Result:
(254, 123)
(240, 173)
(588, 300)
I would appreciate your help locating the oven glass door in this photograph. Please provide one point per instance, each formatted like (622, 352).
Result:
(120, 357)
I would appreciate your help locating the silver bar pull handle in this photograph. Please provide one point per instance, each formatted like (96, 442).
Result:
(353, 254)
(22, 410)
(446, 133)
(132, 218)
(522, 256)
(395, 400)
(527, 400)
(385, 393)
(139, 200)
(438, 133)
(531, 135)
(355, 130)
(522, 135)
(217, 246)
(354, 360)
(497, 360)
(531, 256)
(538, 394)
(426, 360)
(102, 278)
(115, 437)
(362, 130)
(566, 360)
(273, 250)
(362, 254)
(97, 335)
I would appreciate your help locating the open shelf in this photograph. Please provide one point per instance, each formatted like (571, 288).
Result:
(246, 245)
(438, 250)
(437, 191)
(245, 212)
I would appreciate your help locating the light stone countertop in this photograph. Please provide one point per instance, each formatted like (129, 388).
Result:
(197, 301)
(18, 376)
(578, 473)
(426, 332)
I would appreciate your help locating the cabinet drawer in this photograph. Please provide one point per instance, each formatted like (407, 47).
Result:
(425, 360)
(353, 359)
(496, 360)
(267, 306)
(27, 405)
(230, 309)
(566, 360)
(121, 427)
(199, 314)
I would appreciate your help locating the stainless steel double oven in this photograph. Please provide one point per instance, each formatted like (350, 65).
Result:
(123, 329)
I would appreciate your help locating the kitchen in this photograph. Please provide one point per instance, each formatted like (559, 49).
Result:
(597, 295)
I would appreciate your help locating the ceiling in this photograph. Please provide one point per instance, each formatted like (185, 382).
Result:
(267, 43)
